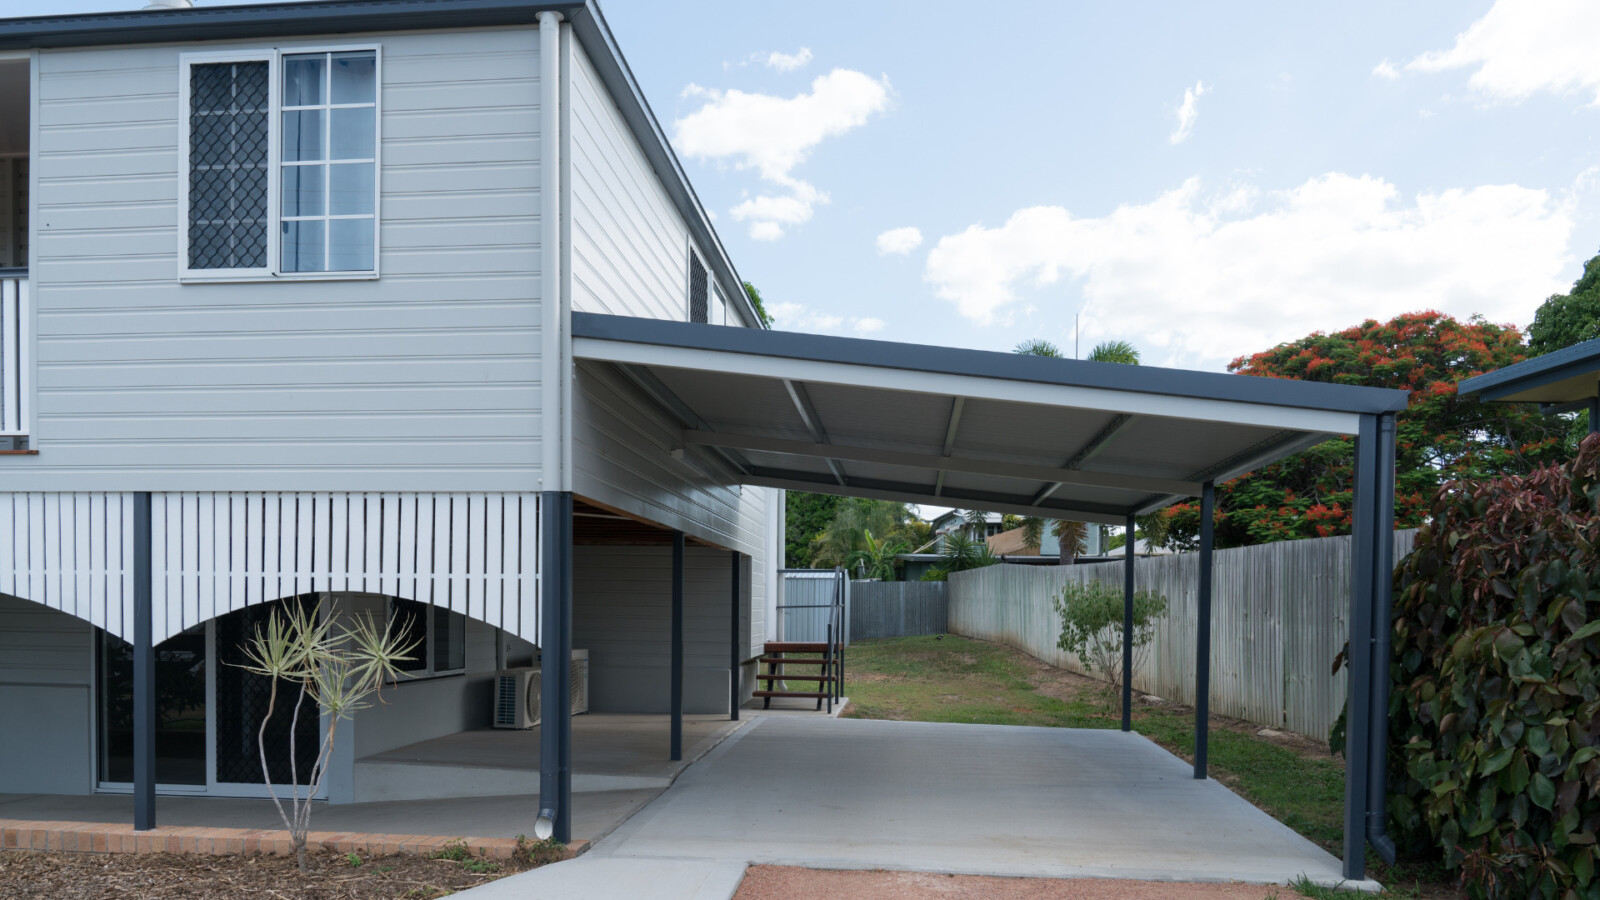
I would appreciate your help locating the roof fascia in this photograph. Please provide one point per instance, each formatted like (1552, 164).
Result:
(1531, 374)
(1326, 407)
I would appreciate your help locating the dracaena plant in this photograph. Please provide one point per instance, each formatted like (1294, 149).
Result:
(327, 671)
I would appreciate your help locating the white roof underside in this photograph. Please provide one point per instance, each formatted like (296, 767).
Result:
(1058, 439)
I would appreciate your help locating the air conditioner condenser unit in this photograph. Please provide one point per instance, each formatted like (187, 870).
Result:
(518, 692)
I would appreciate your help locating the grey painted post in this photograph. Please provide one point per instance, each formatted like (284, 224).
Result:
(144, 670)
(1202, 646)
(1359, 662)
(555, 655)
(735, 649)
(677, 645)
(1382, 631)
(1127, 629)
(1594, 414)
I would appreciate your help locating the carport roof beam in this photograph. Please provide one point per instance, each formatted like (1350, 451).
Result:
(913, 493)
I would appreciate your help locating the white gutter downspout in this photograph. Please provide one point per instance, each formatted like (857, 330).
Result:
(552, 438)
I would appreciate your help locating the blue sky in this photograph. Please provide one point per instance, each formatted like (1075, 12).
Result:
(1201, 180)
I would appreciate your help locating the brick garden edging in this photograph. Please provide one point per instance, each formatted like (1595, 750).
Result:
(105, 837)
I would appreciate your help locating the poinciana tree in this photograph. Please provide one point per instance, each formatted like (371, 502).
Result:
(1440, 436)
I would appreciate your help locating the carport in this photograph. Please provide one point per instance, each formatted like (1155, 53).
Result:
(1062, 439)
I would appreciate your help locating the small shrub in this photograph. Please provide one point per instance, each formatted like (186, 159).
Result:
(352, 860)
(480, 866)
(455, 850)
(1495, 716)
(537, 853)
(1091, 627)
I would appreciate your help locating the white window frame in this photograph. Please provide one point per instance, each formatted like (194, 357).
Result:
(273, 57)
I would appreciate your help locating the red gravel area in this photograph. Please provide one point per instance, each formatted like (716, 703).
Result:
(794, 883)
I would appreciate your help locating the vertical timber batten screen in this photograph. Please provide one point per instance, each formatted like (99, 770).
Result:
(213, 553)
(1279, 612)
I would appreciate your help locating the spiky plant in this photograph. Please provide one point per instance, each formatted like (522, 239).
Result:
(336, 671)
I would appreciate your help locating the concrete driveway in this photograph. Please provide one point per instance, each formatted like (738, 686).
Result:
(965, 799)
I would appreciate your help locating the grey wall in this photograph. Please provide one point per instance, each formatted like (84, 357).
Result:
(896, 609)
(622, 614)
(427, 377)
(45, 673)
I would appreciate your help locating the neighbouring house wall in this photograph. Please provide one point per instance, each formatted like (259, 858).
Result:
(45, 675)
(622, 614)
(420, 709)
(427, 378)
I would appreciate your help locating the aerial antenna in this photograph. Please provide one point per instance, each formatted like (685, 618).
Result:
(1075, 329)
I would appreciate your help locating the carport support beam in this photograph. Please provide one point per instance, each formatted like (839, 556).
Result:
(733, 638)
(144, 670)
(1127, 627)
(1363, 552)
(555, 662)
(677, 645)
(1202, 639)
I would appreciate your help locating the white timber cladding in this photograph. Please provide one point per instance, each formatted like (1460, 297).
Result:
(628, 240)
(213, 553)
(427, 378)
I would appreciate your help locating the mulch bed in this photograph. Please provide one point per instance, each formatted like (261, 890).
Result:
(163, 876)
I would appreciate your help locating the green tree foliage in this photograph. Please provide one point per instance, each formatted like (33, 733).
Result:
(876, 558)
(755, 300)
(1495, 741)
(1091, 626)
(1571, 318)
(1441, 435)
(1073, 538)
(1115, 352)
(852, 521)
(961, 552)
(1039, 347)
(805, 517)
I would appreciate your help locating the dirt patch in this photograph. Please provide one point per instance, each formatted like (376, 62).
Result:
(332, 876)
(792, 883)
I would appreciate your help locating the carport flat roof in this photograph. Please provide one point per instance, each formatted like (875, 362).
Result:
(1094, 442)
(1568, 377)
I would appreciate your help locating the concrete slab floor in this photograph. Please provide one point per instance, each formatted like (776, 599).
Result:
(965, 799)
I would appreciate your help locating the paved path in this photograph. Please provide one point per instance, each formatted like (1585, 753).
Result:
(967, 799)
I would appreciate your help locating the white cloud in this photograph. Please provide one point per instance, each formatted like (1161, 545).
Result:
(899, 240)
(791, 316)
(1521, 47)
(1187, 112)
(774, 135)
(1199, 278)
(788, 62)
(1386, 70)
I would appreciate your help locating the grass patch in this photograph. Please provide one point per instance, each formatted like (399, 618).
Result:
(957, 679)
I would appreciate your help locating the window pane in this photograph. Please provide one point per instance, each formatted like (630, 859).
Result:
(350, 247)
(302, 190)
(302, 135)
(227, 166)
(303, 246)
(303, 78)
(449, 640)
(408, 621)
(352, 189)
(354, 133)
(355, 77)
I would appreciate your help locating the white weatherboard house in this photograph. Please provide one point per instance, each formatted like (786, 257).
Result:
(302, 274)
(406, 307)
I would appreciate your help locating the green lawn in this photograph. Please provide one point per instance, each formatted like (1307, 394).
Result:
(956, 679)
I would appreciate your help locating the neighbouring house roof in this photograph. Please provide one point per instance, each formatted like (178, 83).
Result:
(1010, 543)
(1058, 438)
(1560, 381)
(272, 20)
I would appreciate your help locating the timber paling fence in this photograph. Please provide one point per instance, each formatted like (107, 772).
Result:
(885, 609)
(1279, 616)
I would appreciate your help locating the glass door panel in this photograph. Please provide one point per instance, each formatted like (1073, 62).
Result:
(181, 711)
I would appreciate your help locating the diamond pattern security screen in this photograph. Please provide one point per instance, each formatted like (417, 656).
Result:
(229, 121)
(698, 308)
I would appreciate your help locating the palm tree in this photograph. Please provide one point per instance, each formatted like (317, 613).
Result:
(1032, 532)
(1074, 535)
(842, 537)
(876, 560)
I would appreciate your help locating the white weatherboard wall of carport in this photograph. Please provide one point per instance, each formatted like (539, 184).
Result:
(622, 614)
(44, 698)
(426, 378)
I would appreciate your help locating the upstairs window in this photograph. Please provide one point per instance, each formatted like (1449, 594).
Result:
(281, 153)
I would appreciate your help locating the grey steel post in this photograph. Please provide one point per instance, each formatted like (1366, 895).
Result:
(734, 651)
(555, 663)
(1202, 645)
(1357, 751)
(1594, 414)
(677, 645)
(1127, 629)
(1382, 631)
(144, 670)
